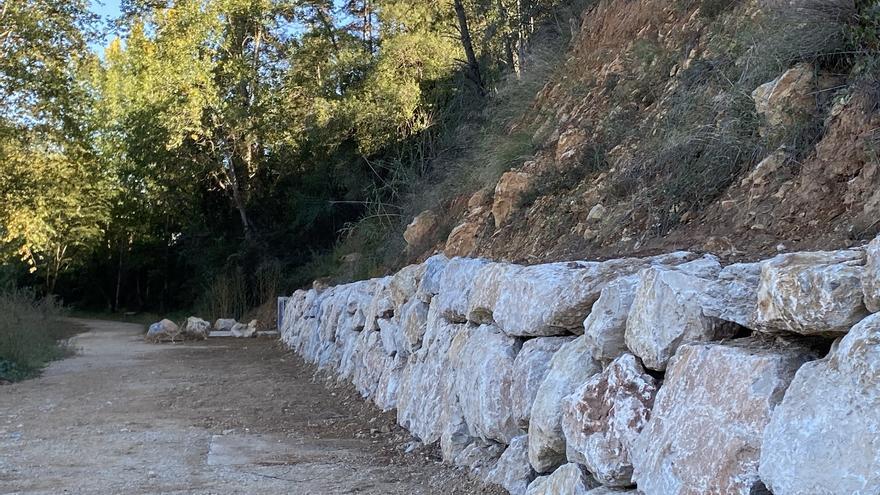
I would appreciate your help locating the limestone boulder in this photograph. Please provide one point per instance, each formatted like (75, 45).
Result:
(392, 338)
(420, 231)
(163, 330)
(483, 366)
(529, 370)
(455, 437)
(346, 348)
(486, 289)
(706, 427)
(479, 457)
(196, 328)
(358, 302)
(429, 284)
(508, 195)
(370, 363)
(570, 367)
(788, 99)
(560, 295)
(815, 293)
(871, 276)
(388, 385)
(570, 479)
(381, 305)
(464, 239)
(455, 287)
(242, 330)
(603, 418)
(414, 324)
(673, 307)
(513, 471)
(605, 327)
(224, 324)
(426, 392)
(403, 284)
(824, 437)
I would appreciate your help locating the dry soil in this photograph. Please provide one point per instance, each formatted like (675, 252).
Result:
(215, 417)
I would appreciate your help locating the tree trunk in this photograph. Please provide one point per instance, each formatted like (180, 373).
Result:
(467, 44)
(368, 25)
(238, 200)
(509, 57)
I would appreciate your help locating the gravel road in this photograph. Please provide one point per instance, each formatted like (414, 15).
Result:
(218, 417)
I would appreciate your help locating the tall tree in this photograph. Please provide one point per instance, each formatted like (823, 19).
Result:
(54, 193)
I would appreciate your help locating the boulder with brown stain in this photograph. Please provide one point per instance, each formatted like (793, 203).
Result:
(788, 99)
(603, 418)
(419, 232)
(508, 195)
(813, 293)
(706, 427)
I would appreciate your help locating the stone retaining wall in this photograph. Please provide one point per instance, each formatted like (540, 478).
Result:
(663, 375)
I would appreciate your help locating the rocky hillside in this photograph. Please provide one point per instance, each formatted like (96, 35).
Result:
(738, 127)
(664, 375)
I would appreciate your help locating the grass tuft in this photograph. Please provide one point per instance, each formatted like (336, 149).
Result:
(31, 334)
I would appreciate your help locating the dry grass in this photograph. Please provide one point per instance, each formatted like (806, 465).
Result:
(31, 334)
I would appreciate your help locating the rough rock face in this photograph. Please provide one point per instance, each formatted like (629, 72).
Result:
(224, 324)
(429, 285)
(706, 428)
(162, 330)
(513, 471)
(812, 293)
(510, 188)
(414, 323)
(410, 342)
(479, 456)
(788, 98)
(529, 370)
(487, 286)
(672, 307)
(426, 387)
(196, 328)
(570, 146)
(603, 418)
(769, 172)
(571, 366)
(403, 284)
(605, 327)
(381, 306)
(418, 232)
(569, 479)
(871, 277)
(243, 330)
(465, 237)
(455, 287)
(823, 437)
(559, 294)
(483, 370)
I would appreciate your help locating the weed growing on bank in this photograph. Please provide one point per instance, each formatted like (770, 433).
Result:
(31, 334)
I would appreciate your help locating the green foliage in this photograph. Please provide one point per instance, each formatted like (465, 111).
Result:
(30, 334)
(55, 195)
(223, 151)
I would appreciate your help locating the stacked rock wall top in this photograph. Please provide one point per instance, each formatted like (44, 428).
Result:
(664, 375)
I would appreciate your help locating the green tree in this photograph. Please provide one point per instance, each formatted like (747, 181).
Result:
(55, 196)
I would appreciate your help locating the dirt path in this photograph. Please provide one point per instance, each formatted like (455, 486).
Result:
(223, 416)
